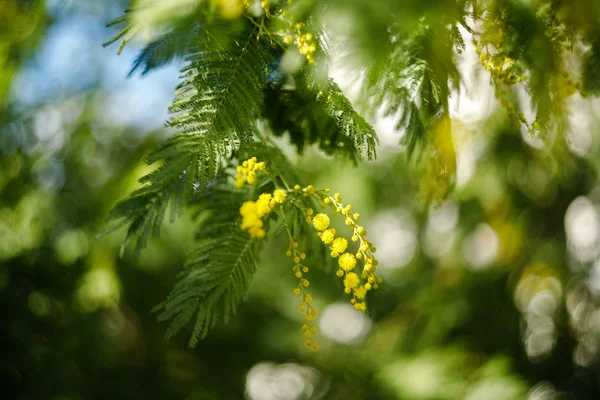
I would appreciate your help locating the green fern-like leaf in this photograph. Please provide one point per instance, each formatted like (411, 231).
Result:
(216, 107)
(175, 22)
(221, 90)
(414, 81)
(172, 185)
(319, 113)
(351, 124)
(217, 277)
(171, 45)
(125, 34)
(218, 271)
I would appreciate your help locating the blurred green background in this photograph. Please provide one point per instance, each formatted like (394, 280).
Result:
(493, 294)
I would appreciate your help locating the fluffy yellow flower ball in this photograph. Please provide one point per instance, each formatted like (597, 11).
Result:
(263, 204)
(360, 292)
(347, 261)
(328, 235)
(321, 221)
(279, 196)
(249, 207)
(339, 245)
(351, 281)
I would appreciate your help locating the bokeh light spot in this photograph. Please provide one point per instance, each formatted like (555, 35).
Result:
(341, 323)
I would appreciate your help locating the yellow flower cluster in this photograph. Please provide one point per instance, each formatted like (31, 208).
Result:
(305, 307)
(338, 247)
(327, 236)
(355, 284)
(246, 173)
(504, 72)
(279, 196)
(305, 42)
(253, 211)
(501, 67)
(321, 222)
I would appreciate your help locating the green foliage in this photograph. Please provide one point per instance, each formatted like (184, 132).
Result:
(220, 268)
(414, 80)
(170, 184)
(125, 35)
(173, 44)
(319, 113)
(221, 90)
(232, 86)
(173, 22)
(446, 323)
(218, 271)
(215, 108)
(591, 83)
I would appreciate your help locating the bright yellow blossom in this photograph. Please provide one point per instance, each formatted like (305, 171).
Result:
(351, 281)
(253, 211)
(328, 235)
(251, 221)
(347, 262)
(339, 245)
(263, 204)
(247, 172)
(249, 207)
(321, 221)
(360, 292)
(279, 196)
